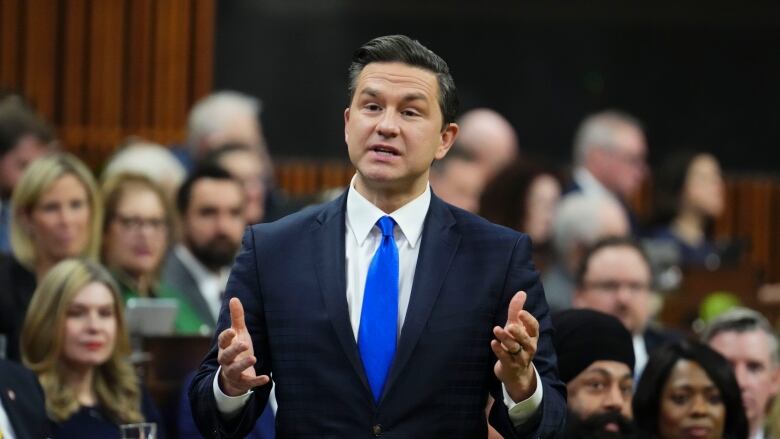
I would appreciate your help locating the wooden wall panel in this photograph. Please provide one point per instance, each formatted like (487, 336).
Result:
(39, 45)
(9, 43)
(74, 74)
(140, 66)
(101, 71)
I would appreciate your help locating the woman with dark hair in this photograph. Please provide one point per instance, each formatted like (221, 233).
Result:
(688, 390)
(689, 196)
(524, 197)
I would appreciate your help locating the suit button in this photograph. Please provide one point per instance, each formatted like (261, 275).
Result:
(377, 430)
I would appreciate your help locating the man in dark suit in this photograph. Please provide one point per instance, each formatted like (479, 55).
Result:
(615, 278)
(610, 158)
(386, 312)
(22, 404)
(210, 204)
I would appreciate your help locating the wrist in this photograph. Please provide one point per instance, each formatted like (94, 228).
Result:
(228, 389)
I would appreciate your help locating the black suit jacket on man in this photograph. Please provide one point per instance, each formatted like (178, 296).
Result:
(290, 277)
(23, 401)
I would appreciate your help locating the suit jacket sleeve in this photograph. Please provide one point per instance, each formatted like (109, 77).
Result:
(550, 418)
(244, 284)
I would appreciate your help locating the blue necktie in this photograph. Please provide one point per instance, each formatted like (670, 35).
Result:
(379, 316)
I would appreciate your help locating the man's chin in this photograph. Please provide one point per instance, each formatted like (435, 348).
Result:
(600, 426)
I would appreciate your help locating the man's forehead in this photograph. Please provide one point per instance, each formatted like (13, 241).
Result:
(379, 75)
(754, 342)
(628, 257)
(615, 369)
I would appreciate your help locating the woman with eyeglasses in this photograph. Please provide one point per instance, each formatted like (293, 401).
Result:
(137, 232)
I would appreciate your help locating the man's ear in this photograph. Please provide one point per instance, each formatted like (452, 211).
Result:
(775, 380)
(346, 121)
(447, 139)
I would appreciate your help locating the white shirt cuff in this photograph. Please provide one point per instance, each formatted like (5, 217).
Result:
(519, 412)
(230, 406)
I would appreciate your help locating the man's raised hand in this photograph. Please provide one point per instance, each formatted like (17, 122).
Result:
(515, 346)
(237, 356)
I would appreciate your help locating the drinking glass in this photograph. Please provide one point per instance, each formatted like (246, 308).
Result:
(143, 430)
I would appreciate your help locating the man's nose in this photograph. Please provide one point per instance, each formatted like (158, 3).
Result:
(614, 399)
(388, 124)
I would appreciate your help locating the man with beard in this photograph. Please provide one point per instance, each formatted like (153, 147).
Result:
(596, 361)
(211, 207)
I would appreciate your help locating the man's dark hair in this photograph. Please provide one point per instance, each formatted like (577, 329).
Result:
(612, 241)
(647, 398)
(16, 121)
(400, 48)
(184, 195)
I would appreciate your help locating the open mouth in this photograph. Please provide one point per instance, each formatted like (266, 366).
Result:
(385, 150)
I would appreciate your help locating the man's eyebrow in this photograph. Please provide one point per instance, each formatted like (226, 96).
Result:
(370, 92)
(409, 97)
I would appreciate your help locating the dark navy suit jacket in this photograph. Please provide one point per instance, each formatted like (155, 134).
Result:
(23, 401)
(291, 279)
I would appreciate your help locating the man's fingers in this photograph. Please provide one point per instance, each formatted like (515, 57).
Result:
(236, 314)
(225, 337)
(226, 357)
(515, 306)
(509, 343)
(253, 381)
(530, 323)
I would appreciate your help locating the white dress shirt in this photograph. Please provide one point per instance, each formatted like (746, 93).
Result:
(5, 424)
(362, 239)
(211, 284)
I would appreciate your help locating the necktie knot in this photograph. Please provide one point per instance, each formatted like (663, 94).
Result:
(386, 225)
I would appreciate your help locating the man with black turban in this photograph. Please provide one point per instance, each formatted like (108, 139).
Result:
(596, 361)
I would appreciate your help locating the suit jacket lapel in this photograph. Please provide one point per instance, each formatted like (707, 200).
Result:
(329, 258)
(439, 243)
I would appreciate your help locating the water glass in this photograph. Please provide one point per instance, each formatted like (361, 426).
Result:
(144, 430)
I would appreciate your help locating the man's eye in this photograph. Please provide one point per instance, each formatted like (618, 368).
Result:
(410, 113)
(595, 385)
(372, 107)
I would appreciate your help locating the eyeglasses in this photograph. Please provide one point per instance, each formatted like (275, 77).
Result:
(613, 286)
(137, 223)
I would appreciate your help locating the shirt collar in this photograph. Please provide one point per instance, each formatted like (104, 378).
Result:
(589, 184)
(198, 270)
(362, 215)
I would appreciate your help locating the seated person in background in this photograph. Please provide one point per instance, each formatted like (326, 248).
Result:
(489, 138)
(23, 138)
(609, 158)
(458, 179)
(218, 119)
(57, 214)
(578, 222)
(245, 165)
(524, 197)
(211, 210)
(596, 361)
(75, 339)
(156, 162)
(136, 235)
(689, 391)
(22, 407)
(615, 278)
(689, 196)
(750, 345)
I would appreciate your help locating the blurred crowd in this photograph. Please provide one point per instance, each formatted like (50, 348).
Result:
(77, 248)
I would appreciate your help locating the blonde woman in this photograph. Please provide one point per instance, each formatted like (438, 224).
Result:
(56, 214)
(75, 339)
